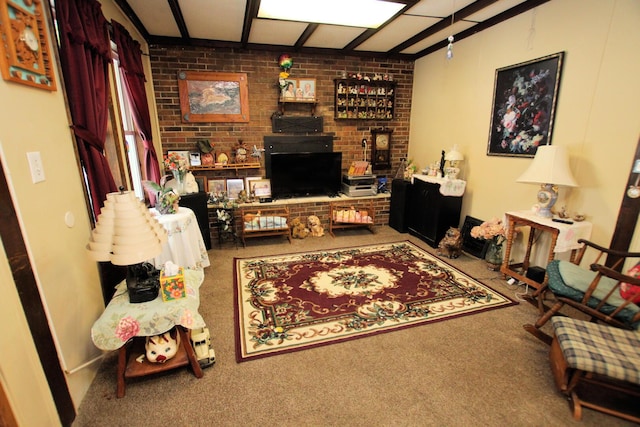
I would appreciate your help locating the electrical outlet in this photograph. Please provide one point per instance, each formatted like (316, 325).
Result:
(35, 165)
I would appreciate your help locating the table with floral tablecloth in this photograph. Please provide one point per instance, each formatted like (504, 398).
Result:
(122, 320)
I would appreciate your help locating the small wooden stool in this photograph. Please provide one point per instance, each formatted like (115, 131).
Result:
(597, 366)
(128, 367)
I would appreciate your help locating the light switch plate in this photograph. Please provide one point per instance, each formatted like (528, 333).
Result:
(35, 165)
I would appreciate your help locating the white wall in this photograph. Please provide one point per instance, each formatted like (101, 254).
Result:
(36, 120)
(597, 117)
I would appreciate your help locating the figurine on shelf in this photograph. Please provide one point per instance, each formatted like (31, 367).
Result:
(241, 152)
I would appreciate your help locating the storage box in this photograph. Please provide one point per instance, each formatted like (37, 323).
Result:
(173, 287)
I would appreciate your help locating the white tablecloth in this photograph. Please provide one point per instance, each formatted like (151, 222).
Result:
(568, 235)
(185, 246)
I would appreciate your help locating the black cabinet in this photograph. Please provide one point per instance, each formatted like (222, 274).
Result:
(197, 202)
(399, 205)
(429, 213)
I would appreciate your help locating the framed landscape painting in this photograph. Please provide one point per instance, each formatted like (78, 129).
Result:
(524, 106)
(213, 97)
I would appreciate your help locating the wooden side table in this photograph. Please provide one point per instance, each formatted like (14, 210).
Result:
(564, 237)
(123, 326)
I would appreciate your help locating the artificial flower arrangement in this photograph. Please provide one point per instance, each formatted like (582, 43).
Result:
(175, 162)
(285, 62)
(490, 230)
(166, 198)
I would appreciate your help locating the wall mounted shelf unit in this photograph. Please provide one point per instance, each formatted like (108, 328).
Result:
(364, 100)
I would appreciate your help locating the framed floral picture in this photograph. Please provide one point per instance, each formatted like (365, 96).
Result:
(524, 106)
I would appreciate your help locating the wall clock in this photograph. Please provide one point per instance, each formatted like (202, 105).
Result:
(381, 148)
(24, 46)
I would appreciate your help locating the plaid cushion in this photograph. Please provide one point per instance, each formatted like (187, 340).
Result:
(600, 349)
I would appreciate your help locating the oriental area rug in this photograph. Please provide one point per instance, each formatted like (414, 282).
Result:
(297, 301)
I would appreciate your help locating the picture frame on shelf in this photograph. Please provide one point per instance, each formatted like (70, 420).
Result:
(25, 56)
(195, 159)
(213, 97)
(248, 183)
(261, 188)
(524, 106)
(288, 92)
(308, 88)
(234, 187)
(217, 186)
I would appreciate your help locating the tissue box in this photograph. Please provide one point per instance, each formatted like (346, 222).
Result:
(172, 287)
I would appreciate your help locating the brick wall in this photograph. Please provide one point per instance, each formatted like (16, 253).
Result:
(262, 70)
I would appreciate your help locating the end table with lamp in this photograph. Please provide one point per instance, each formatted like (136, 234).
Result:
(564, 238)
(122, 324)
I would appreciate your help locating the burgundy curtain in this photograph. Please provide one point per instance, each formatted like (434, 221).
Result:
(85, 54)
(131, 63)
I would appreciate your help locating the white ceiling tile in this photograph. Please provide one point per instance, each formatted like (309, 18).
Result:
(156, 17)
(439, 8)
(333, 36)
(397, 32)
(494, 9)
(439, 36)
(214, 20)
(267, 31)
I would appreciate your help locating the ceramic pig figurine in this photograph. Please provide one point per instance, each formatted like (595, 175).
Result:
(161, 348)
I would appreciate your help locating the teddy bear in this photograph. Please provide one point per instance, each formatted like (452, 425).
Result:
(298, 229)
(314, 225)
(451, 244)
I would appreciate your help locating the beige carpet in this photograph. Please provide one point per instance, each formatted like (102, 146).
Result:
(480, 370)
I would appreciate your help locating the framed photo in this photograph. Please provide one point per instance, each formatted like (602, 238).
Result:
(261, 188)
(213, 97)
(182, 154)
(217, 186)
(524, 106)
(24, 52)
(234, 187)
(202, 183)
(288, 92)
(308, 89)
(194, 158)
(248, 181)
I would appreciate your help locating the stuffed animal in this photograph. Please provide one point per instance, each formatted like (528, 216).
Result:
(451, 244)
(314, 225)
(160, 348)
(298, 229)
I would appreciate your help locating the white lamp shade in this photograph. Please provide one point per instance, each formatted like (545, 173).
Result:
(549, 166)
(454, 155)
(126, 233)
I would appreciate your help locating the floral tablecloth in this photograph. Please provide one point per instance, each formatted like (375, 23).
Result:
(122, 320)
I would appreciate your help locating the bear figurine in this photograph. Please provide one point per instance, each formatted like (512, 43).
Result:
(298, 229)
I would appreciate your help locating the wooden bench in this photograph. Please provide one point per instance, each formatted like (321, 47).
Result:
(265, 222)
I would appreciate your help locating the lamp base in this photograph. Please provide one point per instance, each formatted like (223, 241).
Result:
(143, 282)
(547, 196)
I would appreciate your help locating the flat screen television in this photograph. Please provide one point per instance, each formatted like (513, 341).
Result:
(305, 174)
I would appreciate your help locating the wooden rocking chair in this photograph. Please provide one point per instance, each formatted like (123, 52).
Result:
(594, 291)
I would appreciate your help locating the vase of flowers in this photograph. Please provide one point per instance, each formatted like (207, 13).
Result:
(178, 166)
(494, 233)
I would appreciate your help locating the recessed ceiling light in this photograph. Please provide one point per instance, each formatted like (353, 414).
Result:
(351, 13)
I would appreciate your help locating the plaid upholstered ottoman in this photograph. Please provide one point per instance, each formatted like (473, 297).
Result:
(597, 366)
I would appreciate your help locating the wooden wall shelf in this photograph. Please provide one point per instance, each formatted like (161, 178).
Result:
(235, 166)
